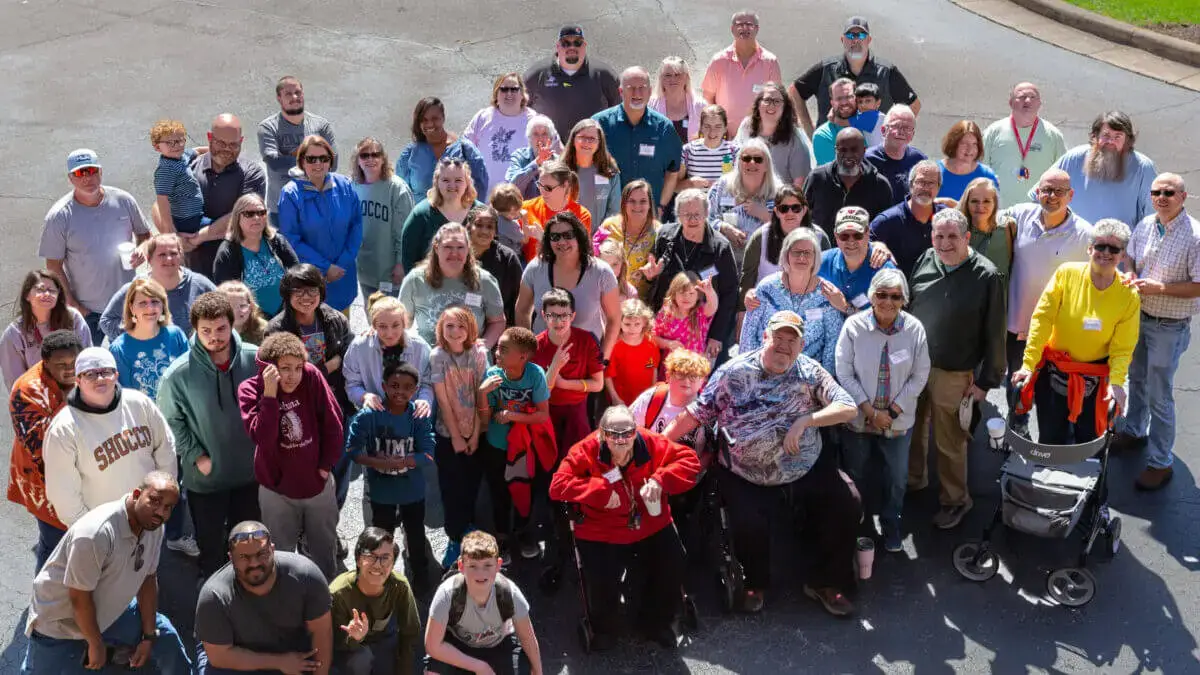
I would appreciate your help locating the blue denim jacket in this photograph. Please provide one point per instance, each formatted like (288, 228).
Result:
(416, 165)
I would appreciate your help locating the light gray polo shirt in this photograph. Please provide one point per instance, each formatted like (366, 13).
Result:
(85, 238)
(99, 553)
(1037, 253)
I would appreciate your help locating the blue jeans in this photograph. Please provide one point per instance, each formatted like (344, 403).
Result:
(857, 449)
(93, 323)
(174, 527)
(1151, 411)
(48, 538)
(52, 655)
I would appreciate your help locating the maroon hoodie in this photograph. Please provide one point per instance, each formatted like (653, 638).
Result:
(295, 434)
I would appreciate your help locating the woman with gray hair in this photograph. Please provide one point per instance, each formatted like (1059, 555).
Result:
(1081, 342)
(883, 363)
(797, 288)
(526, 162)
(743, 198)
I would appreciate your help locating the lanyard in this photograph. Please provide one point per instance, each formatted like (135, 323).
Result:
(1024, 149)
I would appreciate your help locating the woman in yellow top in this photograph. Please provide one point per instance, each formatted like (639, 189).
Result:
(635, 228)
(1081, 342)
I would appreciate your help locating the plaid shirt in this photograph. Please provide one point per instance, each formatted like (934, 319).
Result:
(1170, 254)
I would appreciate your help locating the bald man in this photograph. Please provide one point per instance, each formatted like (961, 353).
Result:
(1048, 234)
(223, 176)
(1022, 146)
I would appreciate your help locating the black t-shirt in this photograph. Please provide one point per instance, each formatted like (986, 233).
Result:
(393, 354)
(566, 99)
(893, 88)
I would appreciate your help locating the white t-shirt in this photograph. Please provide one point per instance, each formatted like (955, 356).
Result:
(641, 405)
(497, 136)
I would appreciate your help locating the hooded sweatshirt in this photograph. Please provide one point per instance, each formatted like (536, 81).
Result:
(363, 367)
(325, 228)
(96, 455)
(200, 404)
(295, 435)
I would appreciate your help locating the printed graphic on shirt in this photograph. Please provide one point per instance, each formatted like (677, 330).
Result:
(148, 369)
(516, 400)
(377, 210)
(291, 429)
(501, 143)
(121, 445)
(386, 447)
(315, 344)
(262, 271)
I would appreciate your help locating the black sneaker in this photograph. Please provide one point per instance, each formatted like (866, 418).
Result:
(528, 544)
(1123, 442)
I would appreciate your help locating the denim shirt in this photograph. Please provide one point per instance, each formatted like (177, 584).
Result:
(417, 163)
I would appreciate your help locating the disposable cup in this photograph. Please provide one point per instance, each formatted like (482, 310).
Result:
(996, 428)
(653, 506)
(865, 556)
(125, 254)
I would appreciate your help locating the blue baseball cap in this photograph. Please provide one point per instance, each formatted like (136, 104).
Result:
(82, 158)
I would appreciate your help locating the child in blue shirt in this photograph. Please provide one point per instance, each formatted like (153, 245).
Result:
(394, 446)
(869, 119)
(180, 202)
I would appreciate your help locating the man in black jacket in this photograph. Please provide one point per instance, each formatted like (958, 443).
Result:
(846, 181)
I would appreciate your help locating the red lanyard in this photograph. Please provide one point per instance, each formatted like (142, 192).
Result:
(1024, 149)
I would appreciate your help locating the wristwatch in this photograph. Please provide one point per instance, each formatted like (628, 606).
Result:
(892, 413)
(150, 637)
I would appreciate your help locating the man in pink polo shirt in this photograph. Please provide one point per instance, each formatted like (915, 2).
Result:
(737, 72)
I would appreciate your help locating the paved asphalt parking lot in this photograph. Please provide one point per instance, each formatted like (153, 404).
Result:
(98, 74)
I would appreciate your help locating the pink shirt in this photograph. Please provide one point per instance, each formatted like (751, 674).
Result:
(733, 85)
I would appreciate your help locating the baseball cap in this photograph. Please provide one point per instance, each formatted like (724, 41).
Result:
(81, 158)
(851, 216)
(786, 319)
(857, 22)
(570, 30)
(94, 358)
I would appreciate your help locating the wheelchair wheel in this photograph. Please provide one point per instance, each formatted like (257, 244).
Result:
(975, 561)
(1112, 535)
(1071, 586)
(691, 618)
(584, 629)
(729, 583)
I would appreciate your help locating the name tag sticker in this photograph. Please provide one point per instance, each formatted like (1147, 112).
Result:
(898, 356)
(860, 300)
(757, 88)
(727, 203)
(473, 299)
(386, 287)
(645, 150)
(684, 123)
(601, 180)
(1091, 323)
(613, 475)
(708, 272)
(812, 314)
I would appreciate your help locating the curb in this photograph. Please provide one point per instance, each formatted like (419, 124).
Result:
(1165, 46)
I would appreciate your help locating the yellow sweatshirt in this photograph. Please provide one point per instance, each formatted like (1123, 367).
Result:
(1089, 324)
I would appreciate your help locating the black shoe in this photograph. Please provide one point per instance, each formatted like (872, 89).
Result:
(1123, 442)
(550, 580)
(663, 637)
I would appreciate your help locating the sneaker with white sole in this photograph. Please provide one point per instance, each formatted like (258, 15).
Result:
(186, 546)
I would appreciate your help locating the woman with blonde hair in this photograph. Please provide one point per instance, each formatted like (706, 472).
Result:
(673, 96)
(499, 129)
(149, 342)
(743, 196)
(386, 202)
(992, 232)
(388, 340)
(254, 253)
(452, 196)
(248, 319)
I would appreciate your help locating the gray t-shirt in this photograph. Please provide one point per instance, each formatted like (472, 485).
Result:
(278, 141)
(227, 614)
(85, 238)
(99, 553)
(479, 627)
(426, 303)
(589, 315)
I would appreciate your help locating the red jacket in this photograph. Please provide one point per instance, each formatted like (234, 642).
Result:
(532, 449)
(580, 479)
(35, 399)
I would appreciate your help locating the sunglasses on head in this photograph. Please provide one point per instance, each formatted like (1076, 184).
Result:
(370, 155)
(509, 90)
(254, 535)
(85, 171)
(568, 42)
(1162, 193)
(1107, 248)
(847, 236)
(789, 208)
(559, 236)
(317, 159)
(753, 159)
(857, 35)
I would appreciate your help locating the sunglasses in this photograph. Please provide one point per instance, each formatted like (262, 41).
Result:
(856, 35)
(317, 159)
(254, 535)
(1107, 248)
(619, 434)
(139, 557)
(509, 90)
(753, 159)
(370, 155)
(1162, 193)
(894, 297)
(254, 213)
(789, 208)
(571, 43)
(559, 236)
(847, 236)
(548, 188)
(85, 171)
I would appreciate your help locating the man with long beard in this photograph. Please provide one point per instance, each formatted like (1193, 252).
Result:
(1110, 178)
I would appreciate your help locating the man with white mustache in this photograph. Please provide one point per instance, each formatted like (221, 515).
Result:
(846, 181)
(905, 228)
(1111, 179)
(857, 63)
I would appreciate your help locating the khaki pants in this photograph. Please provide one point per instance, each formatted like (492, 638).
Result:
(938, 405)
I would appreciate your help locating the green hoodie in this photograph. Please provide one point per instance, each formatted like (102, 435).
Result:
(201, 407)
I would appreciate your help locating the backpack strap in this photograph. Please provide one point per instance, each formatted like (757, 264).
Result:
(458, 600)
(504, 598)
(657, 401)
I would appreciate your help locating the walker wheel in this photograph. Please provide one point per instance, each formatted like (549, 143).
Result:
(1112, 534)
(1071, 586)
(729, 582)
(584, 629)
(691, 617)
(975, 561)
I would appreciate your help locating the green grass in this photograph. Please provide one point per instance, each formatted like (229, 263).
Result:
(1142, 12)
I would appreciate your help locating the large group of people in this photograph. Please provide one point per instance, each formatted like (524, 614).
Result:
(691, 291)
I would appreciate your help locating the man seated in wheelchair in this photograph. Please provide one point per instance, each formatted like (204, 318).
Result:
(771, 402)
(1081, 343)
(620, 477)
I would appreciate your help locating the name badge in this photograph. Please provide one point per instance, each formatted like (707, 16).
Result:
(898, 356)
(812, 315)
(386, 287)
(684, 123)
(708, 272)
(601, 180)
(473, 299)
(645, 150)
(1091, 323)
(860, 300)
(757, 88)
(727, 203)
(613, 475)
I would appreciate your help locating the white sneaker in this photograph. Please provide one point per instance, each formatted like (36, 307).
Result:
(185, 545)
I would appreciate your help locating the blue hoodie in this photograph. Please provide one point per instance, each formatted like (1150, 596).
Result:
(325, 228)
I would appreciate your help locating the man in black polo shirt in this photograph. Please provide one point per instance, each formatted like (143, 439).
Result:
(846, 181)
(570, 86)
(856, 63)
(224, 175)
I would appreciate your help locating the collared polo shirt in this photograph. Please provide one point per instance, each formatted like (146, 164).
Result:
(905, 236)
(566, 99)
(647, 151)
(853, 284)
(735, 83)
(1037, 253)
(222, 189)
(893, 87)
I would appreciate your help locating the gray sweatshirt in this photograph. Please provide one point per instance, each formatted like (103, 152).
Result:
(278, 140)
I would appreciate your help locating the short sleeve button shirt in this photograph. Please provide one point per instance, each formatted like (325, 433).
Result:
(1171, 255)
(648, 150)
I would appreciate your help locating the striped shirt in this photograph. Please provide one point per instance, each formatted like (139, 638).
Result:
(172, 178)
(709, 163)
(1170, 254)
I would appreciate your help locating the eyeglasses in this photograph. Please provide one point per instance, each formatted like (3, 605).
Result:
(1162, 193)
(372, 559)
(903, 131)
(894, 297)
(254, 535)
(567, 42)
(85, 171)
(317, 159)
(99, 373)
(559, 236)
(1108, 248)
(174, 142)
(45, 290)
(1053, 192)
(509, 90)
(147, 304)
(789, 208)
(619, 434)
(370, 155)
(254, 213)
(921, 182)
(139, 559)
(856, 35)
(847, 236)
(307, 292)
(800, 253)
(753, 159)
(1111, 137)
(772, 102)
(557, 316)
(219, 144)
(588, 140)
(548, 188)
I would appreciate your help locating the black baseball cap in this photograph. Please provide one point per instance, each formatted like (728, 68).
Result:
(570, 30)
(857, 22)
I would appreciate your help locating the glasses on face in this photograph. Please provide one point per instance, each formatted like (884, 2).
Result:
(851, 236)
(753, 159)
(568, 42)
(370, 155)
(509, 90)
(317, 159)
(555, 237)
(856, 35)
(587, 140)
(689, 378)
(1162, 193)
(902, 131)
(771, 101)
(308, 292)
(619, 434)
(923, 183)
(800, 253)
(557, 316)
(173, 142)
(219, 144)
(689, 217)
(139, 557)
(254, 535)
(148, 303)
(369, 558)
(254, 213)
(99, 373)
(789, 208)
(548, 188)
(1026, 97)
(85, 171)
(45, 290)
(1111, 137)
(884, 295)
(1108, 248)
(1053, 192)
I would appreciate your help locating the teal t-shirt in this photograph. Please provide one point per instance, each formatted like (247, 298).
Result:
(262, 274)
(521, 396)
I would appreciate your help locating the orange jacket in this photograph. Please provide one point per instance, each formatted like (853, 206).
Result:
(537, 213)
(35, 399)
(1075, 372)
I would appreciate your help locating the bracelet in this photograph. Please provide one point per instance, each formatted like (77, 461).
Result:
(584, 383)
